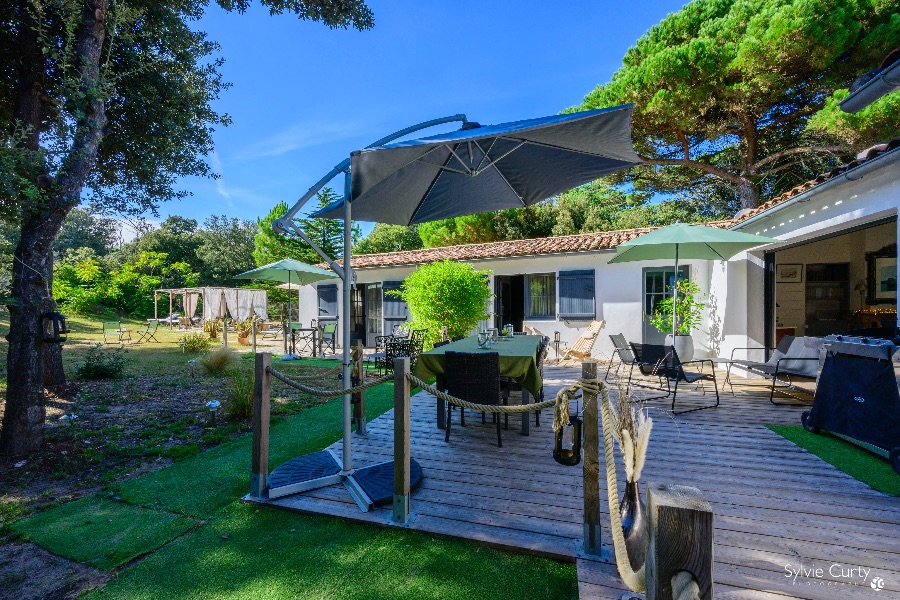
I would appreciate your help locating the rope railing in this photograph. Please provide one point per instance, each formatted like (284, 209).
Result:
(326, 393)
(316, 375)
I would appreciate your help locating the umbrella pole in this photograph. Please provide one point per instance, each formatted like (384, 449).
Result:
(675, 299)
(348, 460)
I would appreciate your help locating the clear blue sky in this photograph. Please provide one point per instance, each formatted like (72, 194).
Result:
(304, 96)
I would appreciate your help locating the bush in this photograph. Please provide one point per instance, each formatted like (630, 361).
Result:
(219, 361)
(196, 342)
(446, 293)
(239, 399)
(102, 364)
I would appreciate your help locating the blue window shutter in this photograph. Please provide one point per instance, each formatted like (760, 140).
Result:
(394, 308)
(328, 304)
(576, 294)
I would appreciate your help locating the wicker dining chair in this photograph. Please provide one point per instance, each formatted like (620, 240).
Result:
(474, 377)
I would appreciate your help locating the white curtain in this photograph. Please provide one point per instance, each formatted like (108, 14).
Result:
(260, 303)
(243, 305)
(213, 307)
(231, 301)
(190, 303)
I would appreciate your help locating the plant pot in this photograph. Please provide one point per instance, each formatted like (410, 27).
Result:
(244, 341)
(634, 525)
(684, 346)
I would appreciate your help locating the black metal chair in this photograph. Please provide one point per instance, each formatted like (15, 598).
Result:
(474, 377)
(663, 362)
(623, 351)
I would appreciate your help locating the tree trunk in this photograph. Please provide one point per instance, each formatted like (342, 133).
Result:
(24, 412)
(748, 194)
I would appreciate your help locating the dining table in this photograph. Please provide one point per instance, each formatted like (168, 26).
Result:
(518, 361)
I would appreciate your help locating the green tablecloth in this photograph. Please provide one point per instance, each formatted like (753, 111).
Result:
(518, 359)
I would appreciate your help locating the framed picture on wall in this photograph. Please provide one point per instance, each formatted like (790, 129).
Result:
(882, 275)
(788, 273)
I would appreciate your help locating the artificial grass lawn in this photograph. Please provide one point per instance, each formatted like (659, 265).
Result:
(102, 533)
(849, 458)
(273, 554)
(201, 485)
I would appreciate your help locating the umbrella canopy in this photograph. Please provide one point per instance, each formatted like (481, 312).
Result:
(681, 241)
(290, 270)
(486, 168)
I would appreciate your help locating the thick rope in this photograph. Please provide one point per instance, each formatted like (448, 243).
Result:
(684, 586)
(334, 393)
(317, 375)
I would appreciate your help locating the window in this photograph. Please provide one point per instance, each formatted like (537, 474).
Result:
(395, 308)
(576, 294)
(540, 296)
(328, 301)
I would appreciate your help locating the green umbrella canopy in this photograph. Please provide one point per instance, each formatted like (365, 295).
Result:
(288, 269)
(684, 241)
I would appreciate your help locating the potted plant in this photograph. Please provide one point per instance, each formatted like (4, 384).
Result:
(244, 331)
(689, 313)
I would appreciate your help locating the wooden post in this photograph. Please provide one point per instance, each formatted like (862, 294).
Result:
(401, 440)
(681, 539)
(170, 310)
(359, 398)
(224, 333)
(253, 334)
(262, 389)
(591, 464)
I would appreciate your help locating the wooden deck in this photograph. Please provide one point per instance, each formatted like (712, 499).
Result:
(774, 503)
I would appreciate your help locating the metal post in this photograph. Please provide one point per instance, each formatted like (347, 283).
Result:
(675, 299)
(401, 440)
(348, 458)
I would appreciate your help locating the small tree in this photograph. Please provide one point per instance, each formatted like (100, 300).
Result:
(689, 311)
(445, 293)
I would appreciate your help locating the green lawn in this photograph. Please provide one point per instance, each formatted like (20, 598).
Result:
(181, 531)
(849, 458)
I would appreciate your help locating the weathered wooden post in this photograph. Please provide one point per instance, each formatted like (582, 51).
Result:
(170, 310)
(262, 389)
(591, 465)
(681, 539)
(401, 440)
(358, 400)
(253, 335)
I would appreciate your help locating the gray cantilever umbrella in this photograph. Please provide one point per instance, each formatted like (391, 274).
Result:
(486, 168)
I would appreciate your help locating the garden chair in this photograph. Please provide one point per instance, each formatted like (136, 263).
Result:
(148, 334)
(581, 349)
(328, 337)
(271, 331)
(475, 377)
(115, 329)
(662, 361)
(622, 350)
(513, 386)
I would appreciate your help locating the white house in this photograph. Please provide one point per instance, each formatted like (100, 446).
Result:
(838, 232)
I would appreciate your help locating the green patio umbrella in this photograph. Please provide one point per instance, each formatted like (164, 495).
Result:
(681, 241)
(289, 271)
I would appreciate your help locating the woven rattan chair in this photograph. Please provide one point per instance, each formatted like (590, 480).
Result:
(474, 377)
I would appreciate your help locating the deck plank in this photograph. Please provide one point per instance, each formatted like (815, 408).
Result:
(774, 503)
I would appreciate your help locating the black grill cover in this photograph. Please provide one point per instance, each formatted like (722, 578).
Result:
(857, 393)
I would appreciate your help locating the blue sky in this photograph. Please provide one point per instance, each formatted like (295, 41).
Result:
(304, 96)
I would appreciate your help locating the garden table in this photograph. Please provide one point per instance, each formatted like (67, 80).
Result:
(518, 361)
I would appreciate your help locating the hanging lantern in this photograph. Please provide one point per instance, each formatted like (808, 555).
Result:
(53, 328)
(567, 447)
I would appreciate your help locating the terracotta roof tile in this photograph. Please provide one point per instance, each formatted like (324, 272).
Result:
(584, 242)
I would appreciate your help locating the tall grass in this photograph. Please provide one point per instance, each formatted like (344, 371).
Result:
(221, 360)
(239, 400)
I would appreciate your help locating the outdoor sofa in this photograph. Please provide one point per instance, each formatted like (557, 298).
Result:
(793, 358)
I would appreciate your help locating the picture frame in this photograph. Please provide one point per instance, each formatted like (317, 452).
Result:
(881, 276)
(789, 273)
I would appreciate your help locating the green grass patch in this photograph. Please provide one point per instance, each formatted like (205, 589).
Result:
(270, 554)
(222, 474)
(849, 458)
(100, 532)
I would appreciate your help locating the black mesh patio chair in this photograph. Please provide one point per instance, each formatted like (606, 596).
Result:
(474, 377)
(662, 361)
(621, 350)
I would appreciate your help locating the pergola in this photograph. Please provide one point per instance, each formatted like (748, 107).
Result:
(214, 296)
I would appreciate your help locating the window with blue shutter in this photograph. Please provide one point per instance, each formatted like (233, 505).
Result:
(328, 304)
(576, 294)
(394, 307)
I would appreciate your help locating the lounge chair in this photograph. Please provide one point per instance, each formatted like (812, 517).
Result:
(792, 358)
(581, 349)
(115, 329)
(663, 362)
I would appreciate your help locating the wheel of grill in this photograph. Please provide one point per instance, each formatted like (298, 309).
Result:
(804, 419)
(895, 459)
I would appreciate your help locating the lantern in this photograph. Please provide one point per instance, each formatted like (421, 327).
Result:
(53, 328)
(567, 447)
